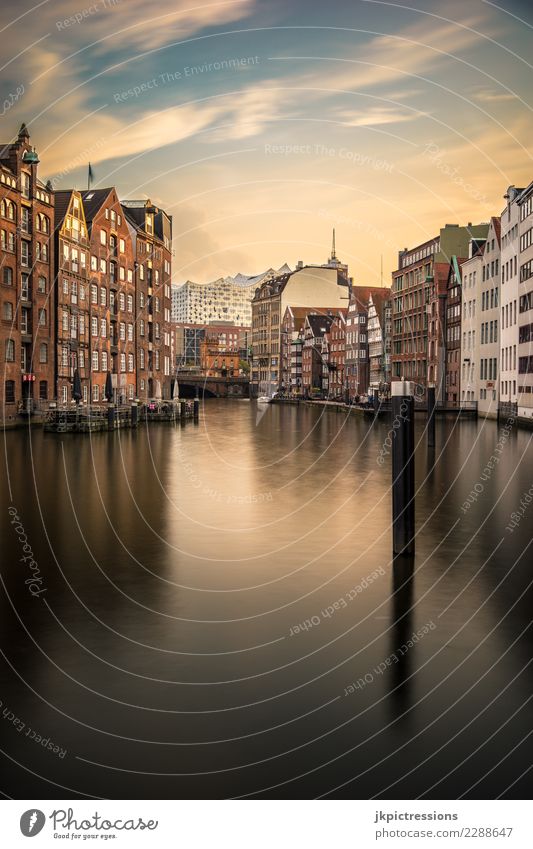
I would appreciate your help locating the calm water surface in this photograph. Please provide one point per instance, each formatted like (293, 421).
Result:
(167, 658)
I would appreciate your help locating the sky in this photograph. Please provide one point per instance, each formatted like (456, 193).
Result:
(260, 125)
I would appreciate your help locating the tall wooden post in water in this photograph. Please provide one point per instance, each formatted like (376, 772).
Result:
(403, 468)
(431, 416)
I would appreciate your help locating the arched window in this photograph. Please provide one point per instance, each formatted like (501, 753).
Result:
(8, 311)
(43, 353)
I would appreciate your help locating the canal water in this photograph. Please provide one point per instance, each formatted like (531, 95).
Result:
(213, 611)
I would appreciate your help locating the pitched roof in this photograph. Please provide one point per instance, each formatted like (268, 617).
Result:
(61, 203)
(360, 295)
(93, 200)
(319, 324)
(380, 297)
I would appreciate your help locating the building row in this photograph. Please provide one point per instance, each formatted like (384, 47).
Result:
(461, 312)
(86, 291)
(315, 333)
(458, 317)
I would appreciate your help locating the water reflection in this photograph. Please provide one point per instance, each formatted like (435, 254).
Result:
(178, 561)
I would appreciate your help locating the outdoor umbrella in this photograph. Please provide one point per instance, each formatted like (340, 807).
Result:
(108, 387)
(77, 393)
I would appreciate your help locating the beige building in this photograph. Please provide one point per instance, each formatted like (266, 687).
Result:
(510, 296)
(525, 319)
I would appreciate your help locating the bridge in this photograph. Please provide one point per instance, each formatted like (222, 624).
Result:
(212, 387)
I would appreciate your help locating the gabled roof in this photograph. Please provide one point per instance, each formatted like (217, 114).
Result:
(379, 298)
(93, 200)
(497, 224)
(360, 295)
(62, 200)
(319, 324)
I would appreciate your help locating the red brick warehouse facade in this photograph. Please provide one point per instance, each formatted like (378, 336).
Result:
(26, 280)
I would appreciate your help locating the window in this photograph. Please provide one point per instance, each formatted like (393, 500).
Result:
(96, 393)
(95, 360)
(123, 362)
(130, 332)
(10, 351)
(130, 303)
(94, 263)
(10, 391)
(25, 184)
(103, 237)
(43, 390)
(141, 357)
(41, 285)
(94, 326)
(43, 353)
(103, 266)
(42, 317)
(104, 360)
(130, 362)
(103, 328)
(122, 246)
(8, 311)
(94, 294)
(103, 296)
(8, 276)
(25, 254)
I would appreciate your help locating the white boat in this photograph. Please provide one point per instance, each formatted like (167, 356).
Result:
(266, 395)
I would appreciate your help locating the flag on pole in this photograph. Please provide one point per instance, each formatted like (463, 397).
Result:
(90, 177)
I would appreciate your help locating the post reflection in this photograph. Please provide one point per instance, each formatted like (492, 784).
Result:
(402, 627)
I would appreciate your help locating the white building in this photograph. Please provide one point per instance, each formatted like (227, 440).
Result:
(487, 339)
(509, 297)
(226, 299)
(525, 304)
(470, 272)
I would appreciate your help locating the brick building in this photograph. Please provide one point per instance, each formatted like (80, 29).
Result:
(217, 360)
(112, 297)
(314, 364)
(336, 355)
(419, 288)
(26, 278)
(71, 296)
(454, 297)
(150, 231)
(357, 356)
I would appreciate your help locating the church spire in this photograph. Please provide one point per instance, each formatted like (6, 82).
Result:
(333, 254)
